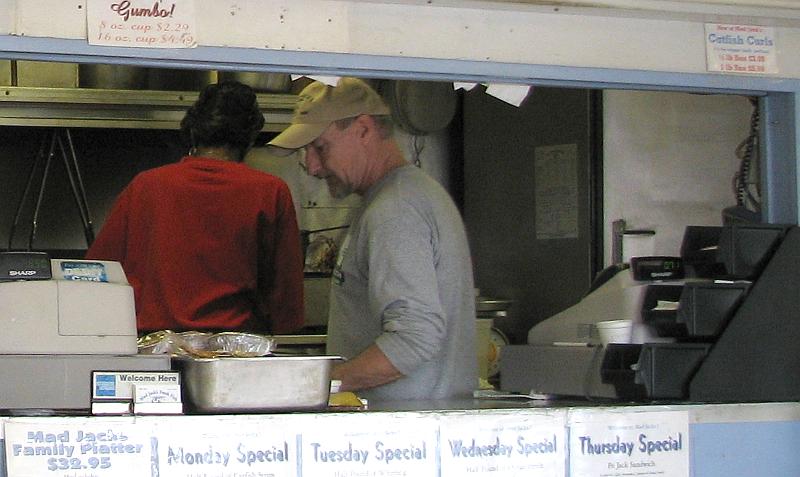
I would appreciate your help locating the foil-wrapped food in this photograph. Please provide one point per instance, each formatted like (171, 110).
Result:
(206, 345)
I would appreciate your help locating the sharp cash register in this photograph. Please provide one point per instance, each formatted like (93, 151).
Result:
(720, 323)
(61, 320)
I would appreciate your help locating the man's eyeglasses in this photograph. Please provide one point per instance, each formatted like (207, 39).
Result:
(301, 159)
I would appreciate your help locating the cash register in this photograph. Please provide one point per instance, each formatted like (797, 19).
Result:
(61, 320)
(563, 355)
(730, 333)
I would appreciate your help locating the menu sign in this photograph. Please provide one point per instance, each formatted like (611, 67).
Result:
(743, 49)
(503, 445)
(84, 447)
(264, 446)
(141, 23)
(385, 447)
(618, 443)
(78, 448)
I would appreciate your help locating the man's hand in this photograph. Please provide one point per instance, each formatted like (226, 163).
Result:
(369, 369)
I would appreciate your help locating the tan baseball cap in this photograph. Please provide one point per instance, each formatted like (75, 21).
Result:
(319, 105)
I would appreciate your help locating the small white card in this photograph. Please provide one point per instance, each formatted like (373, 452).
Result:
(157, 399)
(156, 393)
(111, 408)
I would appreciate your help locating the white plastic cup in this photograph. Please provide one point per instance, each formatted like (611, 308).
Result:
(614, 331)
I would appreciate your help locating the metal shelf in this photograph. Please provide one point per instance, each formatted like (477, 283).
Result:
(130, 109)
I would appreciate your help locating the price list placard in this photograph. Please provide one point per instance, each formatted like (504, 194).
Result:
(741, 49)
(503, 445)
(619, 443)
(370, 446)
(76, 447)
(228, 447)
(141, 23)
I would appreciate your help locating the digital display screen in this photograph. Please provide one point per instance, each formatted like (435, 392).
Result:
(24, 266)
(29, 262)
(656, 268)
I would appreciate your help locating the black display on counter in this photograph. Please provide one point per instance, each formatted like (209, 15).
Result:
(24, 266)
(657, 268)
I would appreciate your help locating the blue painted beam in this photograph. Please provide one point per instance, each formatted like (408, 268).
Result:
(300, 62)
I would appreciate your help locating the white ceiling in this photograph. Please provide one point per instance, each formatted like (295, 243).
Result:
(658, 4)
(751, 8)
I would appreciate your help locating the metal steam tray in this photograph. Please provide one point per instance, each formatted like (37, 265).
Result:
(269, 383)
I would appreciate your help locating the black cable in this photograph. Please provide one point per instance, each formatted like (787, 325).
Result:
(747, 150)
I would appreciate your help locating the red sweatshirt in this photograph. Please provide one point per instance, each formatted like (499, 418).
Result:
(207, 244)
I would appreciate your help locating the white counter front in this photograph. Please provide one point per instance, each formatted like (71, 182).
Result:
(477, 439)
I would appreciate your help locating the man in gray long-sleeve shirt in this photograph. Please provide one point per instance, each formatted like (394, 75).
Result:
(402, 307)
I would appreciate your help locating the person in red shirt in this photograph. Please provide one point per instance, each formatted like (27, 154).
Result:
(209, 243)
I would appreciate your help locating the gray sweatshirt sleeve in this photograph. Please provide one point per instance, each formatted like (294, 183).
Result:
(403, 287)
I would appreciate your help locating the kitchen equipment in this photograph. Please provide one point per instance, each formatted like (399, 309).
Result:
(271, 383)
(501, 312)
(316, 293)
(61, 139)
(59, 383)
(483, 327)
(562, 355)
(47, 74)
(488, 307)
(112, 76)
(57, 331)
(497, 340)
(420, 107)
(756, 356)
(657, 268)
(321, 255)
(86, 308)
(27, 265)
(730, 336)
(665, 369)
(492, 314)
(260, 82)
(305, 236)
(614, 331)
(5, 73)
(175, 79)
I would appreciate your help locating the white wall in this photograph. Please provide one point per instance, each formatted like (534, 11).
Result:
(669, 160)
(673, 5)
(654, 36)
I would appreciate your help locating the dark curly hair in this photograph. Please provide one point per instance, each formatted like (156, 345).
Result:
(225, 114)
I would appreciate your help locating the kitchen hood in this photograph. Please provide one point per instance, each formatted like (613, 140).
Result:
(108, 108)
